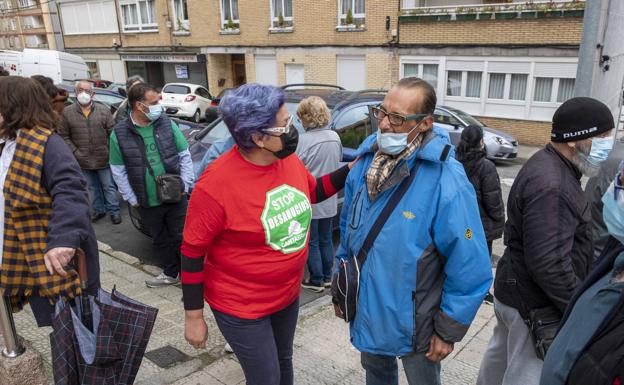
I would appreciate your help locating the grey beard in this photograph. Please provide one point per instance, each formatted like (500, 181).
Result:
(581, 162)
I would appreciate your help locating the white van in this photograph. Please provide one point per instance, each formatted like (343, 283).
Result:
(62, 67)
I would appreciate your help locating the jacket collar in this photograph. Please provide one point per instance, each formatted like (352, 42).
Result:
(573, 169)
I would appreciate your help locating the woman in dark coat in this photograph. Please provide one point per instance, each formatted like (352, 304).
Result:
(482, 174)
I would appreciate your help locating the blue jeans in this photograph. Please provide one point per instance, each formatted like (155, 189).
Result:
(383, 370)
(321, 251)
(263, 346)
(102, 191)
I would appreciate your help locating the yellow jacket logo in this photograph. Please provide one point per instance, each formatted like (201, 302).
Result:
(468, 234)
(409, 215)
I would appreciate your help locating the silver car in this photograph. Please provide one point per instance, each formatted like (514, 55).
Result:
(498, 145)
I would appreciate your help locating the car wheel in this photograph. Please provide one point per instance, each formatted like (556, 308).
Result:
(197, 116)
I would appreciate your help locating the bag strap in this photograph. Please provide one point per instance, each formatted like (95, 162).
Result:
(385, 214)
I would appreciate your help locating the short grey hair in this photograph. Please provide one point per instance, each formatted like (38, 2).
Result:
(133, 79)
(77, 84)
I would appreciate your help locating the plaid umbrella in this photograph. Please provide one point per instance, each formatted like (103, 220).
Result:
(109, 354)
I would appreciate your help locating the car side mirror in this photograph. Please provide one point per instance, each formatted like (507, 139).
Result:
(122, 92)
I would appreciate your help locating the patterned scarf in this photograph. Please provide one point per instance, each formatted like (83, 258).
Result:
(28, 207)
(383, 164)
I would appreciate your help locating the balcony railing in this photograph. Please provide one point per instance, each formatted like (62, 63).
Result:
(528, 10)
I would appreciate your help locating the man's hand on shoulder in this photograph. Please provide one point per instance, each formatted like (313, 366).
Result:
(438, 349)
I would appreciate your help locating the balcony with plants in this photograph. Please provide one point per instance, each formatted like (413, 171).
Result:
(498, 11)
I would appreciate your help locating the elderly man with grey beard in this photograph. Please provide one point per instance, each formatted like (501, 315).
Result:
(548, 242)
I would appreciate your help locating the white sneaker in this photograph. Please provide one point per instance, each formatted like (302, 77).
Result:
(162, 280)
(228, 348)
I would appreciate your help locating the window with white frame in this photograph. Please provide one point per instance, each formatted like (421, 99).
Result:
(463, 83)
(35, 41)
(352, 12)
(180, 15)
(26, 3)
(281, 13)
(11, 42)
(89, 17)
(427, 72)
(507, 86)
(18, 42)
(138, 15)
(229, 14)
(553, 90)
(2, 43)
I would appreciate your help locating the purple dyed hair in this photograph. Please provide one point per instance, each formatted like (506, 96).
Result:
(248, 109)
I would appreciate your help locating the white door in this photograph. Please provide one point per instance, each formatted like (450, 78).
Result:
(295, 74)
(352, 72)
(266, 70)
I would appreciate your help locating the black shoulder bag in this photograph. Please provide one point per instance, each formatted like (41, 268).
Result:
(346, 282)
(543, 322)
(169, 187)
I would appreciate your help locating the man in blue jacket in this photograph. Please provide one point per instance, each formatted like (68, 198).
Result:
(428, 270)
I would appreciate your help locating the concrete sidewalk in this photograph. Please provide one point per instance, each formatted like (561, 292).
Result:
(322, 352)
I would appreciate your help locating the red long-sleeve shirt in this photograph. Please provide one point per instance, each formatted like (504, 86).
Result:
(245, 237)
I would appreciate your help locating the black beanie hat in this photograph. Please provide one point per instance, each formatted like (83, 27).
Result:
(472, 135)
(580, 118)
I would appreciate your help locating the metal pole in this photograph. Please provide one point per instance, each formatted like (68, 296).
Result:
(13, 346)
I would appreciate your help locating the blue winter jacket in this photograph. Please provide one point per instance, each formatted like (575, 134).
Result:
(429, 268)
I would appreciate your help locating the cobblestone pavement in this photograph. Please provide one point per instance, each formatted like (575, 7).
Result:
(322, 352)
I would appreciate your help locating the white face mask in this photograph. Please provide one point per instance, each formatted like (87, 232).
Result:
(84, 98)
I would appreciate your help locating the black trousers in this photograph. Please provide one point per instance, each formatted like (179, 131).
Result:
(165, 223)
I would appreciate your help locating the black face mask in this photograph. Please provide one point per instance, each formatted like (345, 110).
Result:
(289, 143)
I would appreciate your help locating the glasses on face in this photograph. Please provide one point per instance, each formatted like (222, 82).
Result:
(617, 183)
(395, 119)
(280, 130)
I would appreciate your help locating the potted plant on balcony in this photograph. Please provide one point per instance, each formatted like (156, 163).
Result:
(349, 18)
(548, 10)
(486, 13)
(506, 12)
(574, 9)
(462, 13)
(528, 10)
(280, 21)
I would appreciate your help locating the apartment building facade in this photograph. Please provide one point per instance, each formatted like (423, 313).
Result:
(509, 63)
(29, 24)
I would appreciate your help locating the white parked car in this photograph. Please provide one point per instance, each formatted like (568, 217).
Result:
(185, 100)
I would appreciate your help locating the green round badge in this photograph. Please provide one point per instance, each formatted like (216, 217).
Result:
(286, 218)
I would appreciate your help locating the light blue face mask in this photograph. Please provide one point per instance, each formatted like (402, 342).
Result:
(392, 143)
(600, 149)
(154, 112)
(613, 213)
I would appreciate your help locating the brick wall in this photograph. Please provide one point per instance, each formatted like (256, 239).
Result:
(314, 24)
(379, 72)
(317, 67)
(219, 67)
(527, 132)
(494, 32)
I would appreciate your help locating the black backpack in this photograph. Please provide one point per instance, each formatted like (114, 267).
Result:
(602, 359)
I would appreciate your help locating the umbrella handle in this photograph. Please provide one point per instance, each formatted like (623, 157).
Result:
(81, 259)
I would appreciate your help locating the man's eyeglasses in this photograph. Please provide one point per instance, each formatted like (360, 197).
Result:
(395, 119)
(617, 183)
(280, 130)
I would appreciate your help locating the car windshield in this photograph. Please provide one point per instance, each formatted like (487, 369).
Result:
(220, 130)
(467, 118)
(177, 89)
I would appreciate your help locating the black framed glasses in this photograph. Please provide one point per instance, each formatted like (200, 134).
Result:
(395, 119)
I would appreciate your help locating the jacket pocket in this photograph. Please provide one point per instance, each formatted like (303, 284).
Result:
(356, 210)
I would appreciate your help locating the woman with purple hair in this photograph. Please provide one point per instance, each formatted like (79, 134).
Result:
(246, 235)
